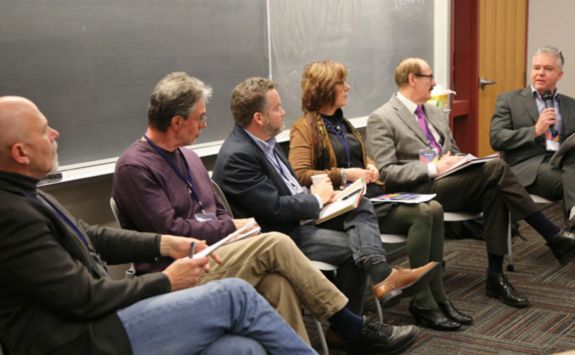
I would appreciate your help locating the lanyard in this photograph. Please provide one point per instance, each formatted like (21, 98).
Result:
(187, 179)
(340, 134)
(62, 217)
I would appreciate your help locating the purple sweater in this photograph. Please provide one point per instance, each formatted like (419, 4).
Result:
(152, 198)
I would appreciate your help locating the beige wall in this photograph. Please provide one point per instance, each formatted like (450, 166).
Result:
(551, 23)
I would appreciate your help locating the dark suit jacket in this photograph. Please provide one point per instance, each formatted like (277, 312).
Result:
(254, 188)
(53, 297)
(394, 140)
(513, 131)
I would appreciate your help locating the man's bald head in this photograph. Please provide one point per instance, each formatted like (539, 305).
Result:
(27, 143)
(13, 110)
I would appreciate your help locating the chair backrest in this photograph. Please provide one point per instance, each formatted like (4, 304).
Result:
(129, 269)
(115, 210)
(222, 197)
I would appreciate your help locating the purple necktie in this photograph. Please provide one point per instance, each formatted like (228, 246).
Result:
(423, 124)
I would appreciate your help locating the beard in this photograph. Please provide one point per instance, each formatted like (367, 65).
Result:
(55, 162)
(271, 130)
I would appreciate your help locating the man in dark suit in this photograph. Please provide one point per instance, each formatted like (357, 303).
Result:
(401, 134)
(258, 181)
(528, 132)
(57, 297)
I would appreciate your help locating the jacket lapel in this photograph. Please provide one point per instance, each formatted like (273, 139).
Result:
(438, 122)
(408, 119)
(529, 102)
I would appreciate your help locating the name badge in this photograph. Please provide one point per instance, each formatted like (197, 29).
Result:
(552, 141)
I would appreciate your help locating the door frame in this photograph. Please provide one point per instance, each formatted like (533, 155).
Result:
(464, 55)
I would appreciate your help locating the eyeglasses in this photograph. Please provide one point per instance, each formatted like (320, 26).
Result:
(204, 120)
(429, 76)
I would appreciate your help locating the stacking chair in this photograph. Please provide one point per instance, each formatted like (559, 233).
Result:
(131, 271)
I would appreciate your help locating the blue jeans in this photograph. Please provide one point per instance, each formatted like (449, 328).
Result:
(203, 319)
(351, 242)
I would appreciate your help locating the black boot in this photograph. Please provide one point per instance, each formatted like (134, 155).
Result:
(498, 286)
(563, 246)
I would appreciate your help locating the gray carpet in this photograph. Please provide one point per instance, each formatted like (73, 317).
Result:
(547, 326)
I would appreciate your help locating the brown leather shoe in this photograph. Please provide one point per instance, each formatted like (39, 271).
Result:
(404, 282)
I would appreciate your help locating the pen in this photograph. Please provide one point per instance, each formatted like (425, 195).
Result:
(192, 249)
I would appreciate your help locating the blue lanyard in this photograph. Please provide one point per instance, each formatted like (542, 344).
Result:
(186, 179)
(61, 216)
(340, 134)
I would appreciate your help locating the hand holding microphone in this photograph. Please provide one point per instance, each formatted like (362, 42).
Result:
(548, 98)
(548, 117)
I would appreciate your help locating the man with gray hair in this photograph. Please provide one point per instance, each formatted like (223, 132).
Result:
(530, 124)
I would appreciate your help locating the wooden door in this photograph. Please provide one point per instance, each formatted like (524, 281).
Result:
(502, 58)
(488, 42)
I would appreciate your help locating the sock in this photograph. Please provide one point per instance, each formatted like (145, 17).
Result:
(542, 225)
(347, 323)
(494, 264)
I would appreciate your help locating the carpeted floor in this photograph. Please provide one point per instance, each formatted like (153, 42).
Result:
(547, 326)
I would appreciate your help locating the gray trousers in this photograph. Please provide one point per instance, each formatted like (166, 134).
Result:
(490, 188)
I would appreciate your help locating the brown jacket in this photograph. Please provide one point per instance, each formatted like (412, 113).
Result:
(311, 150)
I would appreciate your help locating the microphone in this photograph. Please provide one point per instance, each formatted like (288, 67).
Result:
(548, 98)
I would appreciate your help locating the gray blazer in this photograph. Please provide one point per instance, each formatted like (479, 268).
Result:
(513, 131)
(394, 140)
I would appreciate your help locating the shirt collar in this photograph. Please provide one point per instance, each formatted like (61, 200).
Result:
(537, 95)
(411, 106)
(266, 146)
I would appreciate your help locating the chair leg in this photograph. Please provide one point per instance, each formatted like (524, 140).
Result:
(378, 307)
(324, 348)
(510, 266)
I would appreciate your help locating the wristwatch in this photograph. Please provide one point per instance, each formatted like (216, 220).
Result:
(343, 176)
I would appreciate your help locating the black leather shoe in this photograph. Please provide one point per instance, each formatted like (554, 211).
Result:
(433, 318)
(379, 338)
(450, 311)
(563, 246)
(499, 287)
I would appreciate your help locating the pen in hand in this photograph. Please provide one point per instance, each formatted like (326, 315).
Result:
(192, 249)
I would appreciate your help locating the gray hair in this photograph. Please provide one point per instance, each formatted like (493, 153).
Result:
(552, 51)
(175, 95)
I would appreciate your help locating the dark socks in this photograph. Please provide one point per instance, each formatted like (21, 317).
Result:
(495, 264)
(347, 324)
(542, 225)
(378, 271)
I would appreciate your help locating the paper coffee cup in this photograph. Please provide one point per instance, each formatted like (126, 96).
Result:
(317, 178)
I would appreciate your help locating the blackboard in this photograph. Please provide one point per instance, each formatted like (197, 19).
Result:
(90, 65)
(370, 37)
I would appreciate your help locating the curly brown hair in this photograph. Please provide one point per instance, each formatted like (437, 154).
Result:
(318, 84)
